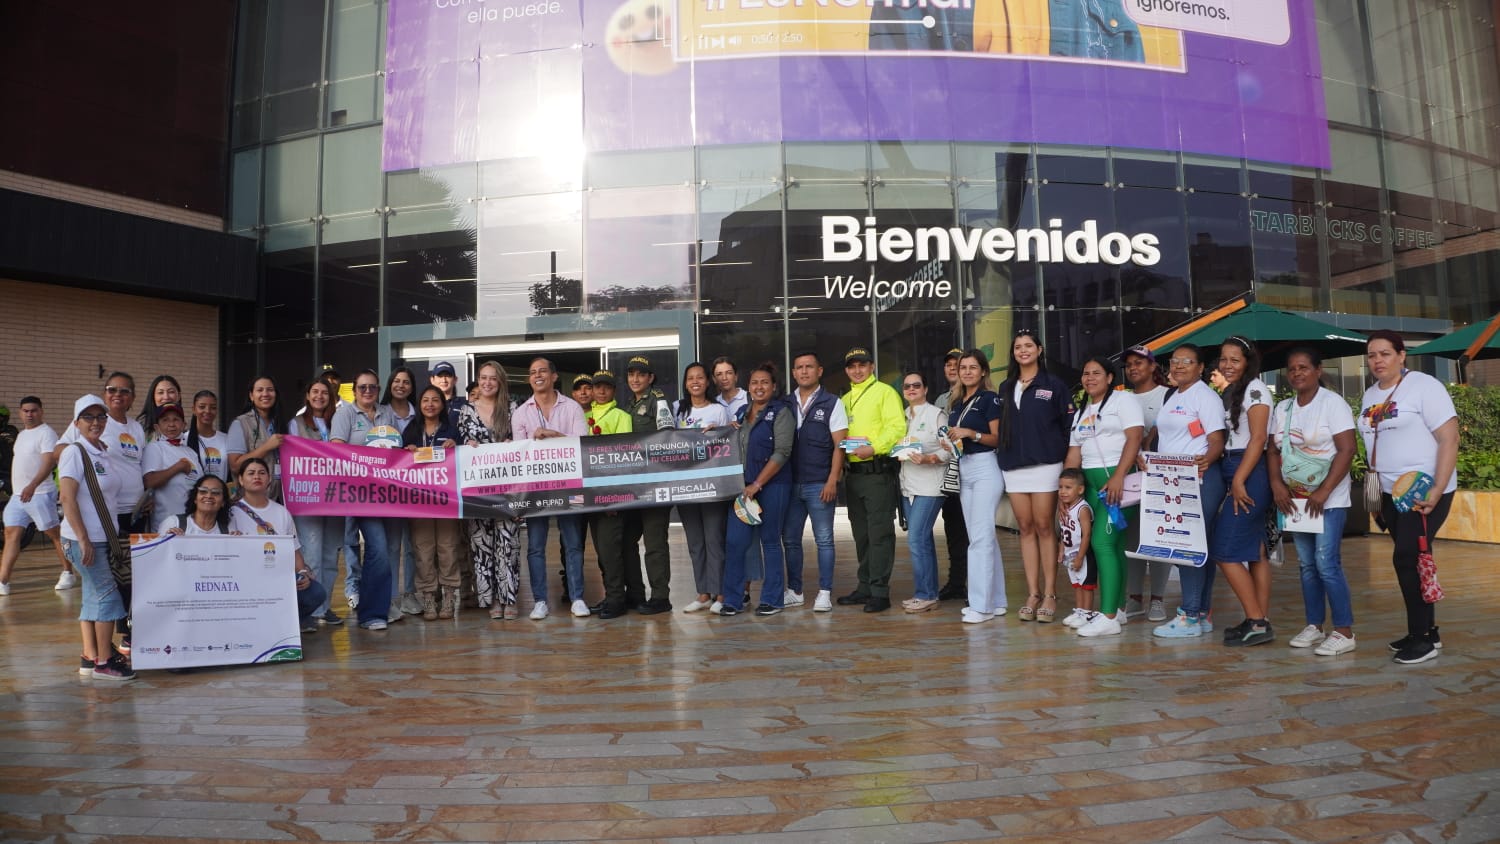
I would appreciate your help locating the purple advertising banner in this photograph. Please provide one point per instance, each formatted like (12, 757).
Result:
(476, 80)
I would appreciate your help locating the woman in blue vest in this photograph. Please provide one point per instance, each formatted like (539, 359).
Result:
(766, 438)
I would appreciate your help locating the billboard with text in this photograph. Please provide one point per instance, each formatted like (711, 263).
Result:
(472, 80)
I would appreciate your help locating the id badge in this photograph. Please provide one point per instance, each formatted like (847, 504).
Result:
(429, 454)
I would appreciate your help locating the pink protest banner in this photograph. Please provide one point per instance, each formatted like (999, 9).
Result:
(333, 479)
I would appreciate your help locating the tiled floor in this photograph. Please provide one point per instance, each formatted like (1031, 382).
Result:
(801, 727)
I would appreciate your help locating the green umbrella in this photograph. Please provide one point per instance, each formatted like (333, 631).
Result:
(1274, 333)
(1454, 345)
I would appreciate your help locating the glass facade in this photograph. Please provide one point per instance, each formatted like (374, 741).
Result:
(1401, 230)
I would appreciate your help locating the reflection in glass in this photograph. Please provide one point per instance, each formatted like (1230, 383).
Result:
(641, 246)
(528, 246)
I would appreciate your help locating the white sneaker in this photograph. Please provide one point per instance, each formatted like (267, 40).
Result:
(581, 610)
(66, 580)
(972, 617)
(1077, 618)
(539, 610)
(715, 607)
(1311, 635)
(1000, 610)
(696, 606)
(1122, 617)
(1158, 610)
(1102, 625)
(4, 589)
(824, 602)
(1336, 643)
(791, 599)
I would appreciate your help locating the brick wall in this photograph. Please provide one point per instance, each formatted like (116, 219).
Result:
(110, 201)
(53, 340)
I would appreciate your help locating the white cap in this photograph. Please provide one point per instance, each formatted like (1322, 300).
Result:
(85, 403)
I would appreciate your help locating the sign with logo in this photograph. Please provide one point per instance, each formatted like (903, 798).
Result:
(1171, 516)
(214, 600)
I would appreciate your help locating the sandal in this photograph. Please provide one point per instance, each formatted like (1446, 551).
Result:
(1028, 609)
(1047, 610)
(497, 611)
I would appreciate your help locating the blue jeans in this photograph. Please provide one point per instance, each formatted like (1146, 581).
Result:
(921, 514)
(320, 537)
(1323, 583)
(807, 500)
(375, 574)
(1198, 583)
(101, 599)
(738, 539)
(351, 557)
(398, 540)
(571, 528)
(310, 600)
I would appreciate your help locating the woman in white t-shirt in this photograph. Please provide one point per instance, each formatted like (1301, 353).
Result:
(205, 437)
(1312, 447)
(170, 466)
(922, 490)
(1240, 530)
(1149, 388)
(255, 514)
(703, 524)
(1104, 442)
(1192, 422)
(1410, 430)
(86, 541)
(207, 511)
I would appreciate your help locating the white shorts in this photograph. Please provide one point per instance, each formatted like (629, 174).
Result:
(41, 511)
(1039, 478)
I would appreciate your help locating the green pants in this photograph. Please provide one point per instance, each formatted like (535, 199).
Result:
(872, 501)
(1107, 542)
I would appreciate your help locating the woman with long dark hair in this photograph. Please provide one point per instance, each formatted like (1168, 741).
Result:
(436, 541)
(1036, 408)
(493, 542)
(973, 433)
(164, 390)
(398, 545)
(321, 536)
(1239, 530)
(703, 524)
(1410, 428)
(257, 432)
(205, 437)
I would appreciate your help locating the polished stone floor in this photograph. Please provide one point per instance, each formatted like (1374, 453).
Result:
(802, 727)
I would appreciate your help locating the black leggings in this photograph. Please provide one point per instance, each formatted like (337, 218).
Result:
(1406, 529)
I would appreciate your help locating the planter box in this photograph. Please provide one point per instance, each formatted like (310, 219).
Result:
(1475, 517)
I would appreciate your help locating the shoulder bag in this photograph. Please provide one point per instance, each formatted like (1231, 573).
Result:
(1302, 471)
(1372, 477)
(119, 546)
(1130, 495)
(950, 472)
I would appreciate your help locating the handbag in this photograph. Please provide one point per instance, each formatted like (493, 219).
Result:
(1302, 471)
(1432, 591)
(119, 546)
(1372, 477)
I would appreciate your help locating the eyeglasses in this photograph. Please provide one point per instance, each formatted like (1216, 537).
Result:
(911, 386)
(93, 417)
(367, 387)
(1183, 362)
(210, 493)
(121, 391)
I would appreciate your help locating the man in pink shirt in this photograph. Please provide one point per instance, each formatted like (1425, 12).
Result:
(548, 414)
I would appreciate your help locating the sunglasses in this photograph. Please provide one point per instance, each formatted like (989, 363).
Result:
(93, 417)
(114, 391)
(363, 388)
(211, 493)
(912, 386)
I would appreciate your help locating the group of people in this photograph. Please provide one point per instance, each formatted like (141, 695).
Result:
(1071, 469)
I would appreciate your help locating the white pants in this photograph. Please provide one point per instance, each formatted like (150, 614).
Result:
(980, 489)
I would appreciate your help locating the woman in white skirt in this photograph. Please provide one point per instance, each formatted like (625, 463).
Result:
(1036, 411)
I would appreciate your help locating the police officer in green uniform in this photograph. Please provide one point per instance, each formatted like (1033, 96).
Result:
(875, 415)
(649, 411)
(607, 527)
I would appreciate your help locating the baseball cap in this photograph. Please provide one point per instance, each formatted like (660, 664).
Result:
(85, 403)
(170, 407)
(443, 368)
(582, 379)
(604, 376)
(1141, 351)
(858, 353)
(954, 353)
(640, 362)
